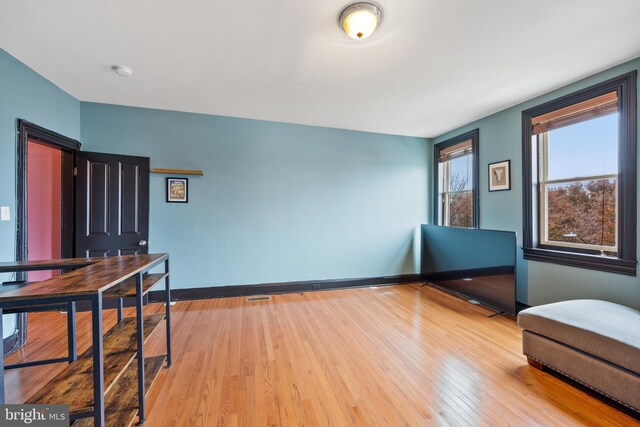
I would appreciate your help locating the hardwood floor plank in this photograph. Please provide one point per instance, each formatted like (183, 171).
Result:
(395, 355)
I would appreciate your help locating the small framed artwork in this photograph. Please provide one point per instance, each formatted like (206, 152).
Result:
(500, 176)
(177, 190)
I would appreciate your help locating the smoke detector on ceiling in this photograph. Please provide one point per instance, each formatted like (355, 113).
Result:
(122, 71)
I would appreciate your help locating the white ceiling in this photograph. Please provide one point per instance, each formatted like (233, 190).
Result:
(432, 66)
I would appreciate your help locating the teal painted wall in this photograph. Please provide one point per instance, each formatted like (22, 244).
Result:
(24, 94)
(278, 202)
(539, 283)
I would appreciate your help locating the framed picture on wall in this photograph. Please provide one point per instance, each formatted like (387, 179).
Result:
(177, 190)
(500, 176)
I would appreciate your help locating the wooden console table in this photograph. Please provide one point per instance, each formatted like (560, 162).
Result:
(108, 365)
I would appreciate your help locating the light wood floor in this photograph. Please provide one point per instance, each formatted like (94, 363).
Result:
(397, 355)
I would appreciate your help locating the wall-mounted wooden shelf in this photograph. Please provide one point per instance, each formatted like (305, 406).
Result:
(178, 172)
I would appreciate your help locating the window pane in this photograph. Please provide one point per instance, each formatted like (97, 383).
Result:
(460, 173)
(461, 209)
(584, 149)
(582, 212)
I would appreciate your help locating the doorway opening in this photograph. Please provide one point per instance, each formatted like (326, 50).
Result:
(44, 207)
(45, 194)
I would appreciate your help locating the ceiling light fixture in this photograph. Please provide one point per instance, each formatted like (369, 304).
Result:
(122, 71)
(360, 20)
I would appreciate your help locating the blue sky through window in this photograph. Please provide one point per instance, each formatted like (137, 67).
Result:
(584, 149)
(462, 168)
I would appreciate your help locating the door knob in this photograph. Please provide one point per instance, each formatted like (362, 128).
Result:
(142, 243)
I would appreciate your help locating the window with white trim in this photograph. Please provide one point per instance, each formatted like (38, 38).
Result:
(578, 161)
(456, 186)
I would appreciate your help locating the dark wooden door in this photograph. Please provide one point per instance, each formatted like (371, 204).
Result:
(112, 205)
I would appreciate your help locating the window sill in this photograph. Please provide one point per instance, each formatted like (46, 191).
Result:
(573, 259)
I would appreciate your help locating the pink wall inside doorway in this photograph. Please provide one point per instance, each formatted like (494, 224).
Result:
(43, 205)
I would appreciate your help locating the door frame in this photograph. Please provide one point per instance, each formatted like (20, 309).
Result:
(26, 131)
(29, 131)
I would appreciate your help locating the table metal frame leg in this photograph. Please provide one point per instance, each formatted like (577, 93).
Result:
(167, 288)
(120, 304)
(98, 361)
(140, 340)
(71, 331)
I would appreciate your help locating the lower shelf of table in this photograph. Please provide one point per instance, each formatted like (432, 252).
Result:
(73, 386)
(121, 402)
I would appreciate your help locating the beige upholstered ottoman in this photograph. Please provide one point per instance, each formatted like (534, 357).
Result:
(596, 343)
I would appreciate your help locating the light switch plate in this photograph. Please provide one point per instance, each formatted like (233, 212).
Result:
(4, 213)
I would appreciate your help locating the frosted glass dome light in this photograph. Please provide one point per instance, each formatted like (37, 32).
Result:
(360, 20)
